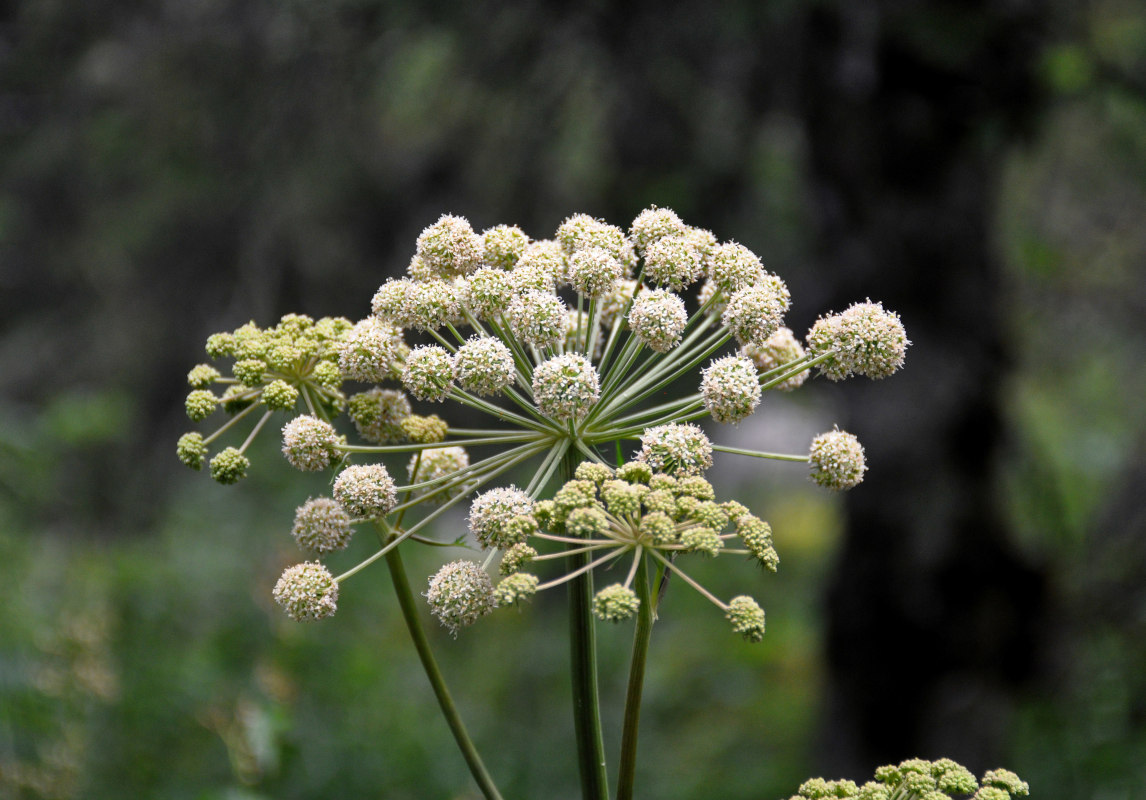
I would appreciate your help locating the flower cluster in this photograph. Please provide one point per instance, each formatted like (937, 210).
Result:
(917, 779)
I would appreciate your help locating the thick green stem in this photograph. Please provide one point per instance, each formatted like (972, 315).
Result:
(583, 657)
(641, 639)
(437, 682)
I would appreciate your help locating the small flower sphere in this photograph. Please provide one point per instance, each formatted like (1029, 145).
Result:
(429, 373)
(438, 463)
(220, 345)
(278, 395)
(566, 386)
(515, 588)
(378, 414)
(622, 499)
(489, 293)
(542, 266)
(191, 450)
(781, 348)
(581, 232)
(733, 266)
(676, 448)
(307, 591)
(592, 471)
(702, 540)
(730, 389)
(537, 318)
(615, 603)
(657, 317)
(747, 618)
(309, 443)
(492, 511)
(460, 594)
(200, 403)
(585, 523)
(322, 526)
(1007, 780)
(594, 271)
(652, 224)
(515, 558)
(432, 304)
(450, 247)
(425, 430)
(368, 350)
(755, 312)
(674, 261)
(391, 302)
(483, 365)
(366, 491)
(202, 375)
(837, 460)
(874, 339)
(503, 245)
(250, 371)
(229, 466)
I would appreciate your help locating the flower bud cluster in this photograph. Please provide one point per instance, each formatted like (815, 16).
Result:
(941, 779)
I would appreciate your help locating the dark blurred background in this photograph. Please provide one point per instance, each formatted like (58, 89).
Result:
(169, 169)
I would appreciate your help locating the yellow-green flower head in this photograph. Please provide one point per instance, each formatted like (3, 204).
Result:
(1006, 780)
(702, 540)
(660, 500)
(537, 318)
(366, 491)
(278, 395)
(715, 300)
(747, 618)
(542, 266)
(757, 537)
(582, 232)
(615, 603)
(429, 373)
(733, 266)
(991, 793)
(515, 588)
(200, 403)
(378, 414)
(706, 514)
(460, 594)
(450, 247)
(327, 374)
(873, 791)
(657, 318)
(251, 371)
(309, 443)
(321, 526)
(368, 350)
(676, 448)
(623, 499)
(674, 261)
(491, 513)
(191, 450)
(425, 430)
(249, 342)
(652, 224)
(781, 348)
(503, 245)
(614, 302)
(593, 472)
(306, 592)
(435, 463)
(837, 460)
(229, 466)
(696, 486)
(635, 472)
(659, 527)
(660, 481)
(516, 557)
(202, 375)
(953, 778)
(489, 293)
(754, 313)
(566, 386)
(586, 523)
(594, 271)
(483, 365)
(730, 389)
(391, 302)
(220, 345)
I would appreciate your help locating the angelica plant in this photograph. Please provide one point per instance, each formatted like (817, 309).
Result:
(560, 344)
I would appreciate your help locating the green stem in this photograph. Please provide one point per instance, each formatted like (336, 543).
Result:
(641, 638)
(583, 656)
(437, 682)
(739, 451)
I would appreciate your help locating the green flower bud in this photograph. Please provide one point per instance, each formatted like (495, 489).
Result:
(237, 397)
(250, 371)
(592, 471)
(1005, 779)
(660, 500)
(695, 486)
(200, 403)
(837, 460)
(279, 395)
(321, 526)
(660, 528)
(757, 537)
(545, 512)
(229, 466)
(327, 375)
(424, 430)
(635, 472)
(460, 594)
(191, 450)
(220, 345)
(307, 591)
(615, 603)
(623, 499)
(661, 482)
(202, 375)
(378, 415)
(586, 522)
(515, 558)
(702, 540)
(992, 793)
(707, 514)
(873, 791)
(435, 463)
(515, 588)
(366, 491)
(952, 777)
(747, 618)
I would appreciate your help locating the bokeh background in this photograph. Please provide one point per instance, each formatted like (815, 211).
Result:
(170, 168)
